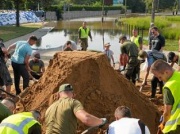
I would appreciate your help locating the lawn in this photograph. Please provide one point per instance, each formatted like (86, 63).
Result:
(11, 32)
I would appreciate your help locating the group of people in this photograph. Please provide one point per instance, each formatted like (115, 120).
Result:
(62, 115)
(164, 75)
(21, 64)
(131, 57)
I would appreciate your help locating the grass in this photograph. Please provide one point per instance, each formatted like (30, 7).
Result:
(170, 45)
(169, 27)
(11, 32)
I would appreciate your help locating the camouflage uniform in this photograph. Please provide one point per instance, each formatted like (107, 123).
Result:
(131, 69)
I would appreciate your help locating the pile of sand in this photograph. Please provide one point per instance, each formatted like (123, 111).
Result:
(100, 89)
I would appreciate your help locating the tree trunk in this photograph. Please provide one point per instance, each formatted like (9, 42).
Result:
(17, 12)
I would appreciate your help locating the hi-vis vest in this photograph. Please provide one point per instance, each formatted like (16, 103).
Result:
(173, 84)
(135, 40)
(84, 33)
(17, 123)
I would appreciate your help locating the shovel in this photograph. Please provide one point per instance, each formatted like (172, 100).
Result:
(89, 129)
(95, 127)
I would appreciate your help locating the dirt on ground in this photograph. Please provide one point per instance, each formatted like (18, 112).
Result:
(96, 84)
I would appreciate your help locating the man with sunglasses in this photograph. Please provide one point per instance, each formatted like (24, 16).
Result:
(61, 117)
(157, 41)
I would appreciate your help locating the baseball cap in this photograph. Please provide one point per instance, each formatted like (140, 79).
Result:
(122, 37)
(37, 55)
(65, 87)
(142, 54)
(171, 56)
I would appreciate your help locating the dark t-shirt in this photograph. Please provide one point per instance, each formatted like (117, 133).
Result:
(36, 66)
(157, 42)
(167, 96)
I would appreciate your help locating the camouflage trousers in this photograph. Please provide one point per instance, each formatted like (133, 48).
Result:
(132, 69)
(84, 44)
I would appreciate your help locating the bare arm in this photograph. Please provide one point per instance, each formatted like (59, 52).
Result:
(113, 60)
(146, 75)
(43, 69)
(87, 118)
(162, 48)
(4, 50)
(167, 113)
(26, 61)
(179, 68)
(13, 46)
(172, 64)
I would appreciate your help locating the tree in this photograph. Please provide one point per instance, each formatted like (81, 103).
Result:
(135, 5)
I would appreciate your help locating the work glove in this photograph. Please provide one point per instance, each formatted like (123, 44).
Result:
(104, 121)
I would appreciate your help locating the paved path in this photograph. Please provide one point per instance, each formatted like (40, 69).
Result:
(38, 33)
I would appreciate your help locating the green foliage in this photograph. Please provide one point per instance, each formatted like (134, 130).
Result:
(171, 33)
(164, 4)
(136, 5)
(84, 7)
(161, 22)
(173, 18)
(171, 45)
(10, 32)
(168, 25)
(97, 4)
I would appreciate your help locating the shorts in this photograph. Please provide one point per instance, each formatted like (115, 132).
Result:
(150, 60)
(5, 75)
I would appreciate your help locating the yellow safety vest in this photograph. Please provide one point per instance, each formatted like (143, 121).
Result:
(17, 123)
(173, 84)
(135, 40)
(84, 33)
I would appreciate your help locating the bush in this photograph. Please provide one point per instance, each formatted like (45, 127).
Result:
(96, 7)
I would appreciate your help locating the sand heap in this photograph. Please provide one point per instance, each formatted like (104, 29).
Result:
(100, 89)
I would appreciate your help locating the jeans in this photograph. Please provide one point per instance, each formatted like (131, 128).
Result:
(20, 70)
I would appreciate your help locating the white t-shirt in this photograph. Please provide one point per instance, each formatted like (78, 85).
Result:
(109, 53)
(126, 126)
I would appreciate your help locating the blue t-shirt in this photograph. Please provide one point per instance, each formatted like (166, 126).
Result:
(22, 49)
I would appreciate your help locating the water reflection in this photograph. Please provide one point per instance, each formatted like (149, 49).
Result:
(68, 30)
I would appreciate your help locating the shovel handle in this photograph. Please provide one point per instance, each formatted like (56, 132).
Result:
(12, 95)
(87, 130)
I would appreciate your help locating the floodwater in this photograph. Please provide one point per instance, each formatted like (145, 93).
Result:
(106, 32)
